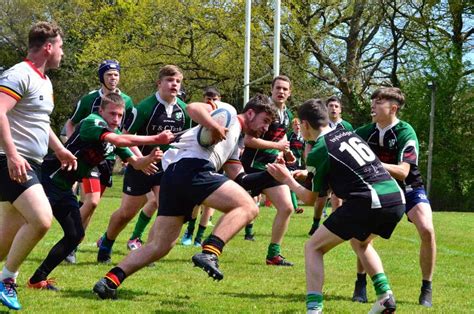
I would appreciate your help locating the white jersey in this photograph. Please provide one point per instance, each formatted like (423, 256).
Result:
(218, 154)
(29, 118)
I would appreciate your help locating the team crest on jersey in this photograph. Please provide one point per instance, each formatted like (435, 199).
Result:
(41, 97)
(391, 143)
(178, 115)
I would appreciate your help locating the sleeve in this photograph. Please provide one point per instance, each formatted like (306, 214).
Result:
(408, 146)
(348, 126)
(362, 132)
(14, 84)
(317, 164)
(93, 129)
(81, 110)
(139, 115)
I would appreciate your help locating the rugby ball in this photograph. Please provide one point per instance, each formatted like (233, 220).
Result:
(204, 135)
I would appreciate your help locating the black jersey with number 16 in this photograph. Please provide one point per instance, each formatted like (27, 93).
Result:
(344, 161)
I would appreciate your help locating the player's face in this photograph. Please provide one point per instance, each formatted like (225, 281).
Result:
(169, 86)
(258, 124)
(334, 110)
(55, 53)
(111, 79)
(381, 110)
(112, 114)
(296, 126)
(211, 99)
(280, 92)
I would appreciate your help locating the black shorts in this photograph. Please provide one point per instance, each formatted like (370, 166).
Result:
(62, 201)
(103, 172)
(355, 219)
(269, 184)
(185, 184)
(137, 183)
(9, 189)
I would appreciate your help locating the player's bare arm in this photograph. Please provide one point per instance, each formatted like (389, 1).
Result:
(259, 143)
(146, 163)
(399, 172)
(127, 140)
(281, 173)
(67, 159)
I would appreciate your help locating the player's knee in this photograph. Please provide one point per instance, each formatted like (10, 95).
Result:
(311, 246)
(427, 233)
(43, 225)
(285, 211)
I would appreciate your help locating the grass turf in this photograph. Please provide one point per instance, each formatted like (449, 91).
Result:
(250, 286)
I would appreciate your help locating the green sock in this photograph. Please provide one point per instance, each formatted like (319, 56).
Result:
(273, 250)
(200, 233)
(140, 226)
(381, 284)
(314, 300)
(249, 229)
(191, 225)
(294, 200)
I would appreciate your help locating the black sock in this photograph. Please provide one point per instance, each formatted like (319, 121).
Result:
(361, 277)
(213, 245)
(426, 285)
(115, 277)
(38, 276)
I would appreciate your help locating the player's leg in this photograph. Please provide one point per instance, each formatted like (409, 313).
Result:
(239, 209)
(187, 238)
(10, 222)
(129, 207)
(92, 193)
(281, 199)
(206, 214)
(319, 244)
(360, 286)
(165, 233)
(422, 218)
(143, 220)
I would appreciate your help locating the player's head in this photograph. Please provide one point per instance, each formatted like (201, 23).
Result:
(258, 114)
(334, 106)
(109, 74)
(313, 114)
(296, 125)
(211, 94)
(45, 38)
(112, 107)
(386, 102)
(281, 89)
(169, 82)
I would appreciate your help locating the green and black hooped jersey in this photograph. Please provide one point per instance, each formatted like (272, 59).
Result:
(341, 159)
(88, 145)
(394, 144)
(259, 158)
(151, 118)
(297, 146)
(90, 103)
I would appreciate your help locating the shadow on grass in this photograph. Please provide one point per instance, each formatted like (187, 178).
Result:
(123, 294)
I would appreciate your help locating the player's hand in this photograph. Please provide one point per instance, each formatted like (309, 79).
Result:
(17, 168)
(279, 172)
(289, 157)
(164, 137)
(219, 133)
(283, 145)
(300, 175)
(67, 159)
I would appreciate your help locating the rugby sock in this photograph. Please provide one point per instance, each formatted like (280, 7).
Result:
(106, 243)
(200, 233)
(294, 200)
(426, 285)
(115, 277)
(8, 274)
(314, 300)
(316, 222)
(249, 229)
(381, 284)
(140, 226)
(213, 245)
(38, 276)
(274, 249)
(361, 277)
(191, 225)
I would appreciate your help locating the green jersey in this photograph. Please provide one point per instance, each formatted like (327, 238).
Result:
(154, 115)
(342, 160)
(88, 145)
(394, 144)
(341, 124)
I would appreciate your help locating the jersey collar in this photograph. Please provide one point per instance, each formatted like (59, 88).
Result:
(33, 66)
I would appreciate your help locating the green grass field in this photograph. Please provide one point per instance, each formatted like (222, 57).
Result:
(250, 286)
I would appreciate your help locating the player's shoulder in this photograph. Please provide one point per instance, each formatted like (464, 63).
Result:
(90, 96)
(365, 130)
(404, 126)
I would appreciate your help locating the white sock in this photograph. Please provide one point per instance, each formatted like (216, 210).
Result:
(8, 274)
